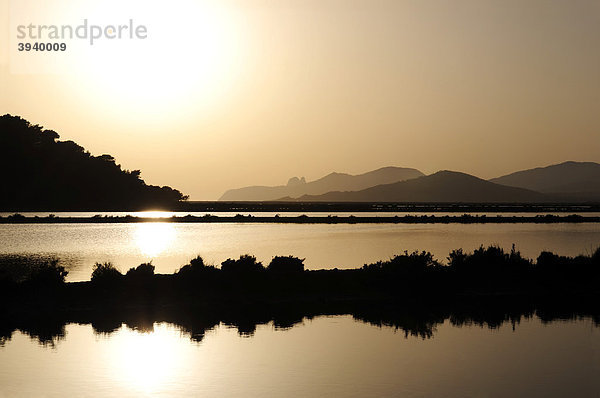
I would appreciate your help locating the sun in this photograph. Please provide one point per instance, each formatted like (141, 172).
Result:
(188, 60)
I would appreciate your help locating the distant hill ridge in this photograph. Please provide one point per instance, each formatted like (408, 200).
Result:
(577, 179)
(297, 187)
(443, 186)
(565, 182)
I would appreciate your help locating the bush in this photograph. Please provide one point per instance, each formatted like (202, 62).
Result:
(196, 267)
(596, 257)
(245, 264)
(105, 273)
(286, 265)
(489, 259)
(142, 271)
(410, 263)
(457, 258)
(17, 268)
(48, 273)
(569, 270)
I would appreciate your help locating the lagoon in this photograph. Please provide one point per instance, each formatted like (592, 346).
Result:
(171, 245)
(322, 356)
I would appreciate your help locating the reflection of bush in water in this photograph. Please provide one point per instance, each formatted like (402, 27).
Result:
(419, 320)
(411, 292)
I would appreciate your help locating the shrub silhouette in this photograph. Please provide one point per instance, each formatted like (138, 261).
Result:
(141, 272)
(48, 274)
(596, 257)
(105, 273)
(407, 263)
(244, 265)
(489, 259)
(490, 267)
(572, 271)
(18, 268)
(286, 265)
(195, 265)
(196, 269)
(15, 268)
(488, 270)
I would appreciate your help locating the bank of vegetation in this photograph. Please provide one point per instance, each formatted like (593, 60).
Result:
(29, 282)
(412, 292)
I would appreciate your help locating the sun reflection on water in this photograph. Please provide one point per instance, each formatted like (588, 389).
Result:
(153, 214)
(148, 362)
(154, 238)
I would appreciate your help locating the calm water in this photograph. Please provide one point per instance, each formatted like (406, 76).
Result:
(165, 214)
(322, 356)
(171, 245)
(325, 356)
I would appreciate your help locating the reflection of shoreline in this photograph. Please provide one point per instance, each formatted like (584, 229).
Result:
(411, 291)
(412, 318)
(304, 219)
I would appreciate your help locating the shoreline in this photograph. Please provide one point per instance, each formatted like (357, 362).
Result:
(305, 219)
(412, 292)
(487, 272)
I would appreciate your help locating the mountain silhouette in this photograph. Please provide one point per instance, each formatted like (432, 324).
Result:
(569, 179)
(39, 172)
(443, 186)
(297, 187)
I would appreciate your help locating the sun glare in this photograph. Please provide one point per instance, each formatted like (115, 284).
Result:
(154, 238)
(153, 214)
(189, 58)
(148, 361)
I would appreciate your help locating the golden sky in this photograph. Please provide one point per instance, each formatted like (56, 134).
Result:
(223, 94)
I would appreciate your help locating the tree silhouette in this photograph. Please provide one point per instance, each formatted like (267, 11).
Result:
(43, 173)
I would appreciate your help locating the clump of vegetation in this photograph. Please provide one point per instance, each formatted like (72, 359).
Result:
(141, 272)
(596, 256)
(489, 268)
(105, 273)
(196, 265)
(486, 270)
(550, 262)
(286, 265)
(489, 259)
(197, 270)
(246, 264)
(49, 273)
(407, 263)
(569, 271)
(31, 269)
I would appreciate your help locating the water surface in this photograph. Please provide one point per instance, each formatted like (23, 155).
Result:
(171, 245)
(324, 356)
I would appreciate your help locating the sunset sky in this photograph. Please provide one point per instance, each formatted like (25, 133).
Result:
(223, 94)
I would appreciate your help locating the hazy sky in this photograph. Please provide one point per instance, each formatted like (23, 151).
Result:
(223, 94)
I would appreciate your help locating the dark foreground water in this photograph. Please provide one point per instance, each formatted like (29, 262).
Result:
(323, 356)
(171, 245)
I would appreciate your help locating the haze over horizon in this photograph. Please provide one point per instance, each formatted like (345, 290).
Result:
(228, 94)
